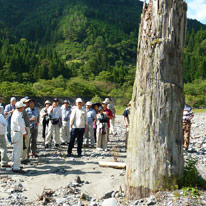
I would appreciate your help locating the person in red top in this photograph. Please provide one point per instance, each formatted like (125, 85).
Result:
(109, 116)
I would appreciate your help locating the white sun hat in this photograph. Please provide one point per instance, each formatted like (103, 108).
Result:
(89, 104)
(78, 100)
(20, 104)
(107, 100)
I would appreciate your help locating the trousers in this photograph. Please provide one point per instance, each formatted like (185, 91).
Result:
(33, 140)
(89, 135)
(107, 134)
(3, 149)
(101, 139)
(44, 125)
(126, 136)
(76, 133)
(64, 132)
(9, 130)
(186, 133)
(112, 121)
(55, 130)
(25, 152)
(17, 139)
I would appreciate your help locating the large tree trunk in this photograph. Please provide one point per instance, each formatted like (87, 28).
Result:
(155, 136)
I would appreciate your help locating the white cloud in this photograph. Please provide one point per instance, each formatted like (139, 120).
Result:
(197, 10)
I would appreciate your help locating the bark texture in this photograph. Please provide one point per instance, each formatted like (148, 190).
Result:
(155, 136)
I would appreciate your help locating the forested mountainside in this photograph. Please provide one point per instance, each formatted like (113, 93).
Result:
(74, 47)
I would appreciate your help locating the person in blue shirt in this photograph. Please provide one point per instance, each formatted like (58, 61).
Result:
(64, 131)
(91, 115)
(33, 114)
(9, 109)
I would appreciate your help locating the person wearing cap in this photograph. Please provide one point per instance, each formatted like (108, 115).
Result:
(25, 153)
(126, 120)
(45, 118)
(18, 132)
(95, 106)
(91, 115)
(64, 131)
(101, 129)
(78, 126)
(112, 121)
(3, 147)
(55, 115)
(33, 114)
(109, 117)
(9, 109)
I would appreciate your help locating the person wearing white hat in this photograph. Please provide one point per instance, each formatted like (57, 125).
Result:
(78, 126)
(91, 115)
(112, 108)
(3, 147)
(55, 123)
(18, 131)
(33, 113)
(9, 109)
(101, 129)
(64, 131)
(45, 117)
(25, 153)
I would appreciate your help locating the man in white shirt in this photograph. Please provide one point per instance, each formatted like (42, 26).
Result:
(78, 126)
(18, 131)
(3, 147)
(55, 115)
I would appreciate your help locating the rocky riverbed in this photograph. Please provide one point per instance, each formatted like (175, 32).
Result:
(54, 179)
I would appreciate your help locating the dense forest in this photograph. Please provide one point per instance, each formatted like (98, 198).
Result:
(82, 48)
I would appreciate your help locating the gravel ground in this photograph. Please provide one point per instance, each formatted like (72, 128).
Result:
(54, 179)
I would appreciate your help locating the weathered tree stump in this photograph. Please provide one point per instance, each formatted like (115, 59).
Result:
(155, 136)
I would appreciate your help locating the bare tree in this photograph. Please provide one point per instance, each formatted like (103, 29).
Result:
(155, 136)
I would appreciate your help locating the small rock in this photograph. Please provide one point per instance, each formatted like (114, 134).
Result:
(60, 200)
(114, 193)
(110, 202)
(78, 180)
(151, 203)
(84, 196)
(107, 195)
(93, 204)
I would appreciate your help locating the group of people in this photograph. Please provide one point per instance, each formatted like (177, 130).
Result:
(19, 121)
(88, 124)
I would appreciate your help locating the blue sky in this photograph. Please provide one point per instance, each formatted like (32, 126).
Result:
(196, 10)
